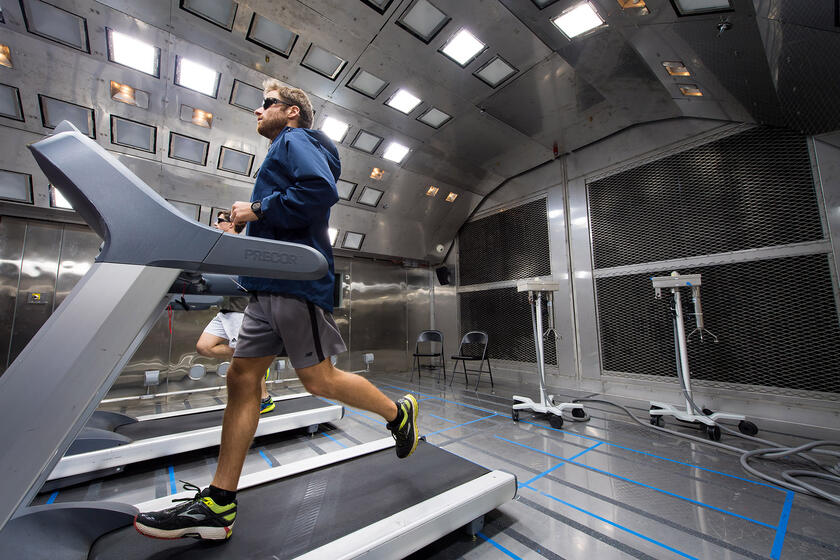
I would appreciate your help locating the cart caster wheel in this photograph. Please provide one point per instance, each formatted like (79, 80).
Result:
(578, 413)
(747, 428)
(514, 414)
(708, 412)
(555, 421)
(713, 432)
(657, 421)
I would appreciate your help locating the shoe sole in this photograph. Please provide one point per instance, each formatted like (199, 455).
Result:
(415, 407)
(267, 409)
(204, 533)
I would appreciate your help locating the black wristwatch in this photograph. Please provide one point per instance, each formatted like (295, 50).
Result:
(256, 208)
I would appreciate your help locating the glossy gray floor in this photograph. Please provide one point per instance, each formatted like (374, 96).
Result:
(602, 489)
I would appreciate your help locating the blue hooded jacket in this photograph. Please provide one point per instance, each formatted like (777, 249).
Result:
(296, 186)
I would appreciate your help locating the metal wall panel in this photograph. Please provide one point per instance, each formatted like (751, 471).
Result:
(38, 273)
(827, 155)
(341, 315)
(79, 247)
(12, 234)
(418, 304)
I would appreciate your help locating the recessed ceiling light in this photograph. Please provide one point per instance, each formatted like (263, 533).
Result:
(345, 189)
(366, 83)
(6, 56)
(10, 105)
(235, 161)
(56, 24)
(197, 117)
(133, 53)
(188, 149)
(245, 96)
(335, 129)
(195, 76)
(353, 240)
(691, 90)
(370, 196)
(379, 5)
(16, 186)
(377, 174)
(403, 101)
(451, 197)
(188, 209)
(495, 72)
(697, 7)
(395, 152)
(676, 69)
(432, 191)
(53, 111)
(366, 141)
(323, 62)
(578, 20)
(463, 47)
(333, 232)
(271, 36)
(423, 20)
(434, 117)
(57, 199)
(133, 134)
(543, 3)
(218, 12)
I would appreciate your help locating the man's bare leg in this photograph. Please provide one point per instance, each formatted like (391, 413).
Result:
(241, 418)
(326, 380)
(219, 348)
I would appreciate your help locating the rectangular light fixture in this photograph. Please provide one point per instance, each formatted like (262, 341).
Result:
(333, 233)
(366, 83)
(578, 20)
(432, 191)
(323, 62)
(463, 48)
(133, 134)
(335, 129)
(691, 90)
(345, 189)
(697, 7)
(366, 141)
(53, 111)
(6, 56)
(133, 53)
(370, 197)
(379, 5)
(57, 199)
(403, 101)
(423, 20)
(10, 104)
(496, 71)
(217, 12)
(245, 96)
(676, 69)
(395, 152)
(188, 149)
(451, 197)
(235, 161)
(55, 24)
(124, 93)
(195, 76)
(377, 173)
(271, 36)
(543, 3)
(631, 4)
(16, 187)
(353, 240)
(198, 117)
(188, 209)
(434, 117)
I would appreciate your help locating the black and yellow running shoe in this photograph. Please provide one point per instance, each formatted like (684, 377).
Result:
(266, 405)
(198, 517)
(404, 426)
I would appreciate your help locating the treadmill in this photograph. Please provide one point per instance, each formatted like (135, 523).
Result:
(360, 501)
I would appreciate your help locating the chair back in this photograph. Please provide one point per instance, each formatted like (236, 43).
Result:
(430, 336)
(474, 344)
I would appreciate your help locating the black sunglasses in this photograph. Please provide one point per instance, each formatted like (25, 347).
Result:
(269, 101)
(222, 220)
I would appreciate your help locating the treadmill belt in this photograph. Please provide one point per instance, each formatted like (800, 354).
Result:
(200, 420)
(292, 516)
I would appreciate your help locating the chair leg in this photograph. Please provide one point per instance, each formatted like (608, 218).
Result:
(443, 363)
(478, 379)
(414, 366)
(466, 379)
(490, 371)
(454, 369)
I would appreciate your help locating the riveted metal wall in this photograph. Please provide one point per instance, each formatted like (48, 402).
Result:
(743, 212)
(508, 245)
(753, 189)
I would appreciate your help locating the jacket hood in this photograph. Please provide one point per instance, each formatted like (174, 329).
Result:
(327, 147)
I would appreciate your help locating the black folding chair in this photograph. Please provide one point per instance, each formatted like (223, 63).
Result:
(473, 338)
(429, 337)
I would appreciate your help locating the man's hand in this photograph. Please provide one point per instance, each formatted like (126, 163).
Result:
(241, 212)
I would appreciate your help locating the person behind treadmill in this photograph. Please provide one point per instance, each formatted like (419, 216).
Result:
(219, 337)
(291, 200)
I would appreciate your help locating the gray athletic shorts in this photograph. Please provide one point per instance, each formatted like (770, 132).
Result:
(279, 325)
(226, 325)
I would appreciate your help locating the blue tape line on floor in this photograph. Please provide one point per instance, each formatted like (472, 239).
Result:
(444, 419)
(781, 531)
(172, 487)
(555, 467)
(335, 440)
(622, 527)
(497, 545)
(52, 497)
(642, 484)
(459, 425)
(264, 456)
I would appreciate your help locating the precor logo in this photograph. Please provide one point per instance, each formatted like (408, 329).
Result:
(269, 256)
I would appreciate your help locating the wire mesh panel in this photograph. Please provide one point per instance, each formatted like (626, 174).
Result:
(776, 321)
(505, 315)
(753, 189)
(509, 245)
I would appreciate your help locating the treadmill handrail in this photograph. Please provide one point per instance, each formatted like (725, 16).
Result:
(140, 227)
